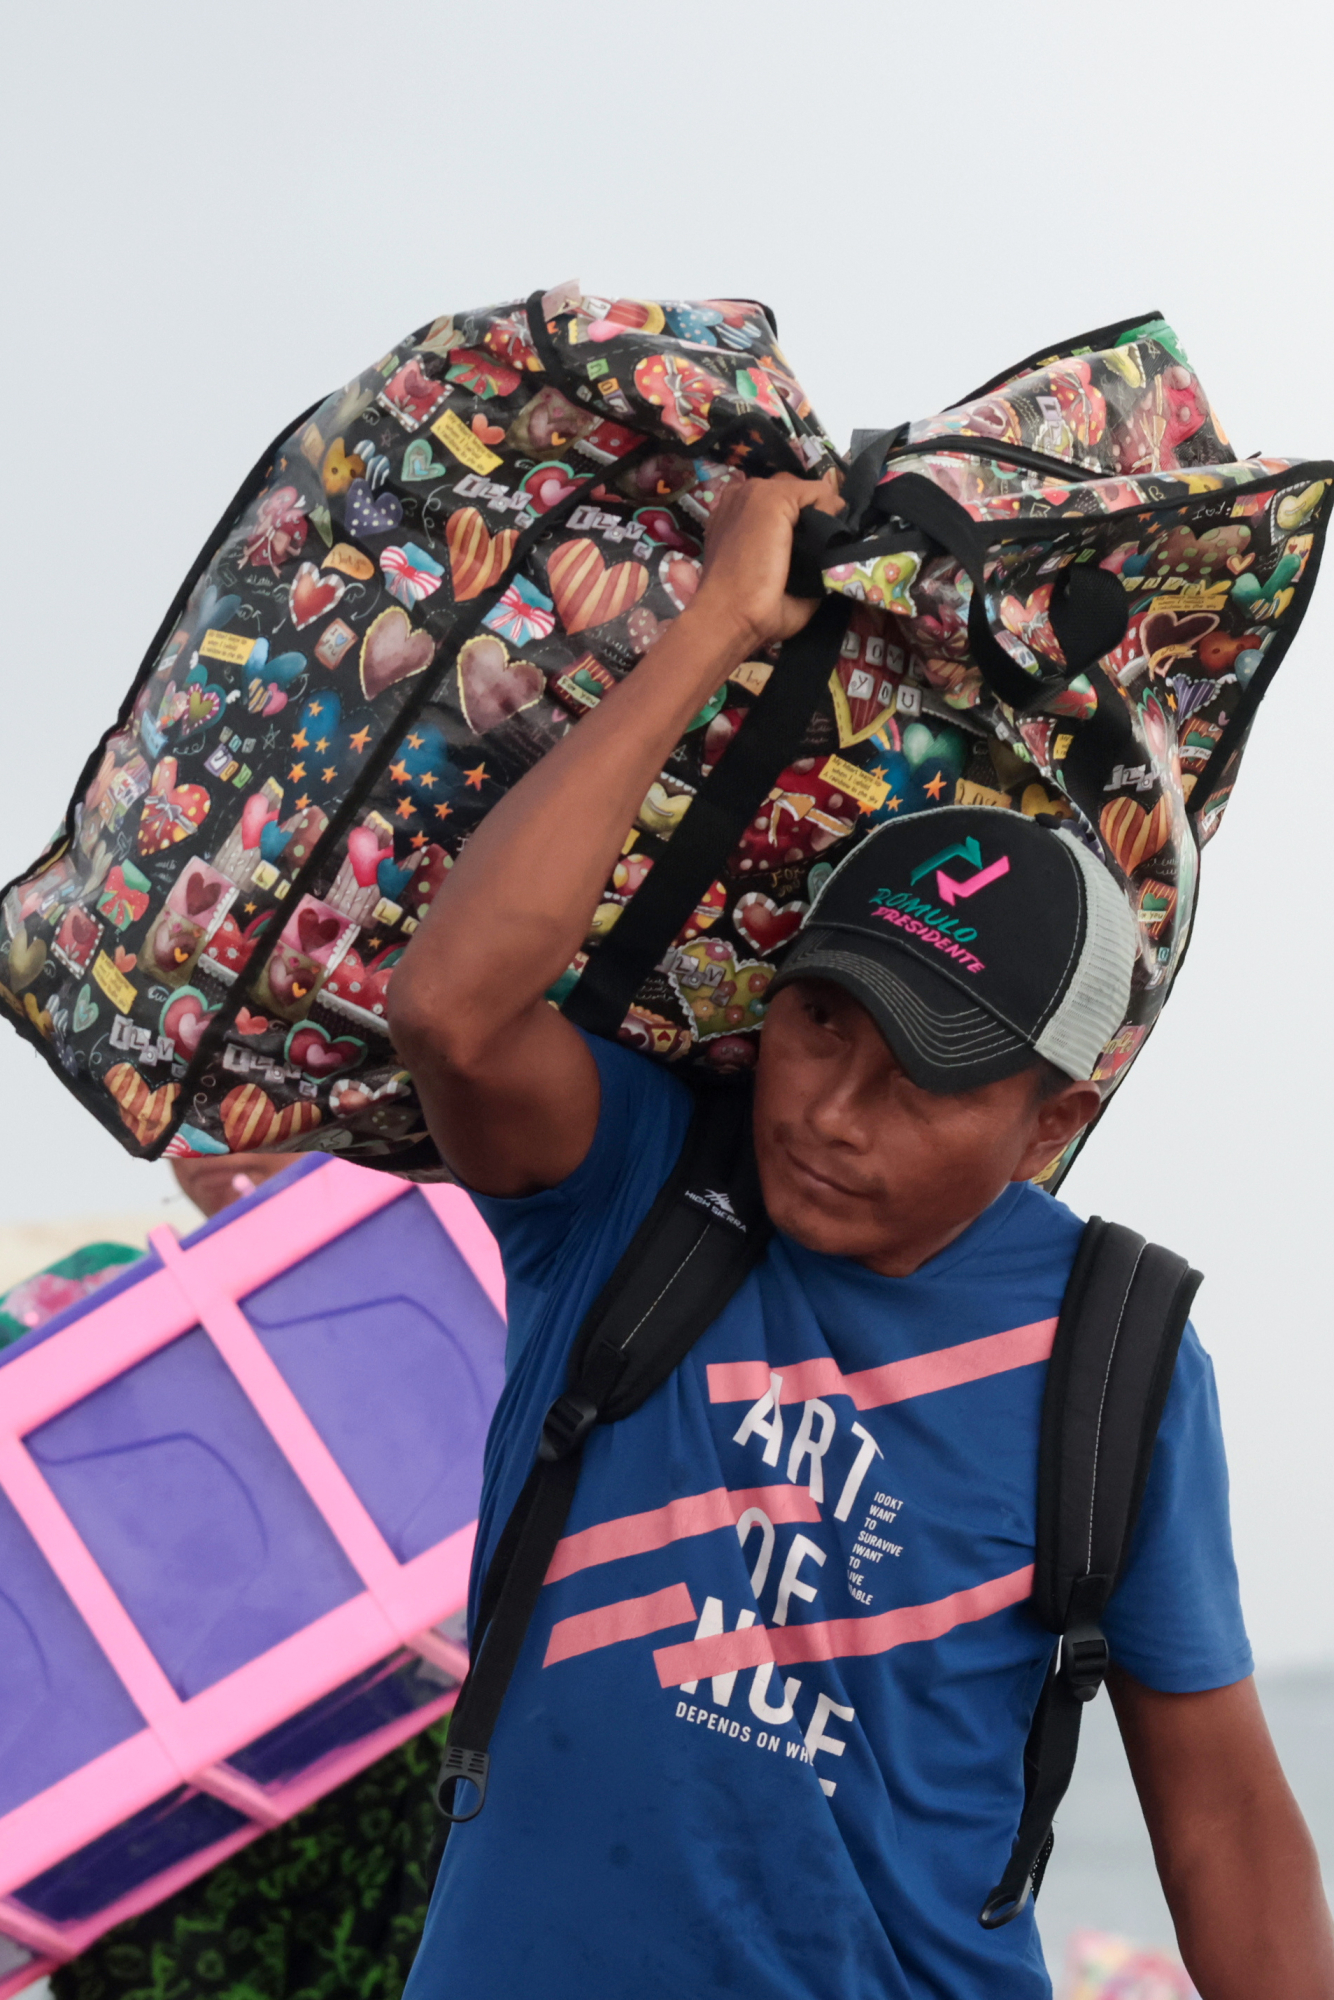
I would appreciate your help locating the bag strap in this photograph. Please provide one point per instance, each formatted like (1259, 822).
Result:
(1088, 611)
(703, 1235)
(1111, 1366)
(767, 742)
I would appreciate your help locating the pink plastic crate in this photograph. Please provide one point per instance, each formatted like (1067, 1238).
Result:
(238, 1493)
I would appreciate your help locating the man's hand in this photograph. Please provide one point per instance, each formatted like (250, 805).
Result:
(1236, 1862)
(509, 1089)
(747, 551)
(213, 1181)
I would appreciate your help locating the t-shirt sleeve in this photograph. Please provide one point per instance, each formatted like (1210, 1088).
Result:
(564, 1242)
(1174, 1620)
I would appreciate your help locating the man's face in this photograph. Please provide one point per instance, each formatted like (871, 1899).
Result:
(858, 1161)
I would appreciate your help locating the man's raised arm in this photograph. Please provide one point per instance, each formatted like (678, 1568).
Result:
(509, 1090)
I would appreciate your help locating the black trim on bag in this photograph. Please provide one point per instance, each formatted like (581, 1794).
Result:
(1067, 469)
(540, 333)
(97, 1100)
(1101, 337)
(1038, 528)
(1243, 715)
(557, 366)
(250, 486)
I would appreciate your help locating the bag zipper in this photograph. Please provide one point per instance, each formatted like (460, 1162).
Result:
(1010, 454)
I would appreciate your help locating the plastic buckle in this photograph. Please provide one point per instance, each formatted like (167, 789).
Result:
(565, 1426)
(1084, 1660)
(473, 1768)
(1002, 1906)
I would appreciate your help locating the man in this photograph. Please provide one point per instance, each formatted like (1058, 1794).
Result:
(659, 1821)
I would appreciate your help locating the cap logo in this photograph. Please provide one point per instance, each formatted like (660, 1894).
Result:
(948, 888)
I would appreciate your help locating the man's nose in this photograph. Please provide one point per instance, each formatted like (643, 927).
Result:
(838, 1114)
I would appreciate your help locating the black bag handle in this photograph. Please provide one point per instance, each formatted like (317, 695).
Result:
(1089, 613)
(820, 540)
(767, 742)
(714, 822)
(734, 791)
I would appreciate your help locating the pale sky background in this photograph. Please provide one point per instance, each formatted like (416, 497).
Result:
(214, 215)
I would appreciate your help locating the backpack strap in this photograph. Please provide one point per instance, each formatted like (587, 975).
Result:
(705, 1232)
(1111, 1365)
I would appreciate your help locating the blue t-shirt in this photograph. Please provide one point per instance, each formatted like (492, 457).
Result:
(766, 1733)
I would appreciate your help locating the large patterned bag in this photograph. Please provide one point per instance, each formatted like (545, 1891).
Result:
(1063, 596)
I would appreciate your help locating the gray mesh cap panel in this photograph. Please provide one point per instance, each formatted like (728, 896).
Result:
(1095, 1001)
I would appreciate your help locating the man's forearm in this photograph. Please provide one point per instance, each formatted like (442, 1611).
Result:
(1249, 1907)
(518, 903)
(509, 1089)
(1238, 1866)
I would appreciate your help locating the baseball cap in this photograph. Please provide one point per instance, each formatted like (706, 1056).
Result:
(977, 940)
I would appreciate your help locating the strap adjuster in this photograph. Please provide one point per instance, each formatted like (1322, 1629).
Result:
(472, 1767)
(1085, 1658)
(565, 1426)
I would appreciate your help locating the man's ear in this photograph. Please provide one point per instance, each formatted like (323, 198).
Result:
(1056, 1121)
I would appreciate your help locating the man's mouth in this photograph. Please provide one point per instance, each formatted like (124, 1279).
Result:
(815, 1178)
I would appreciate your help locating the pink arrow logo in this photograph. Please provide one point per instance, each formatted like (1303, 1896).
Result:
(951, 891)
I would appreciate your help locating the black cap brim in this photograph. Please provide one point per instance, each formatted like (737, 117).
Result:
(945, 1042)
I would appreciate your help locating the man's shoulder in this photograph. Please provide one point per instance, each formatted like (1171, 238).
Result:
(1026, 1230)
(1045, 1218)
(642, 1121)
(634, 1082)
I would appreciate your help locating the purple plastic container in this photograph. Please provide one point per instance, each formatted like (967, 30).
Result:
(273, 1462)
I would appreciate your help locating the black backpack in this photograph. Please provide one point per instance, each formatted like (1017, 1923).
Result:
(1116, 1343)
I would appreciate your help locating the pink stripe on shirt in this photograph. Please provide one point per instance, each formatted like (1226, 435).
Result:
(895, 1381)
(631, 1618)
(838, 1638)
(693, 1514)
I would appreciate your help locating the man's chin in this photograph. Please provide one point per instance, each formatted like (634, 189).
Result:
(813, 1224)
